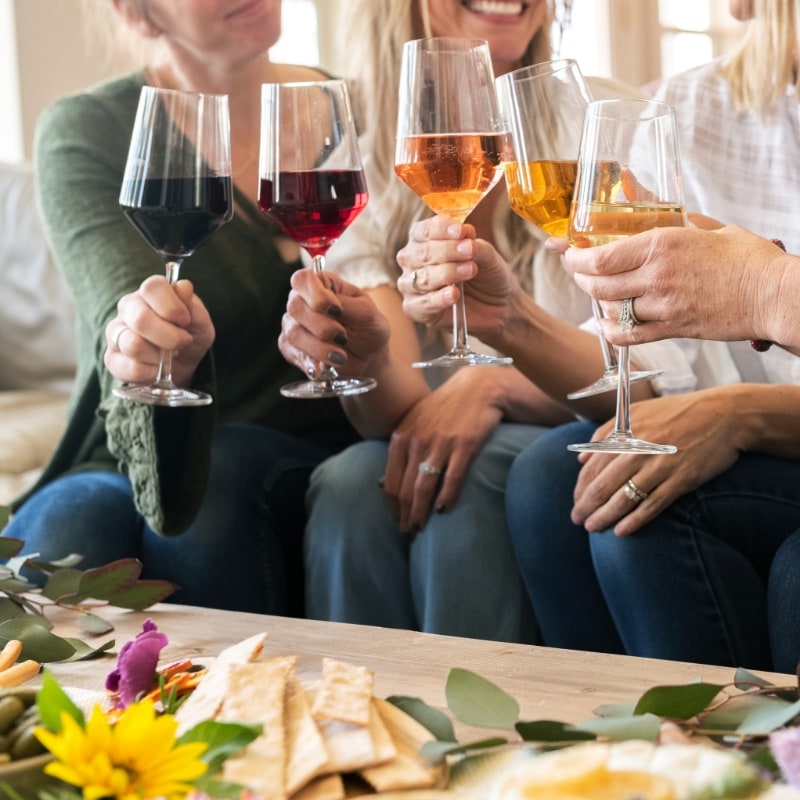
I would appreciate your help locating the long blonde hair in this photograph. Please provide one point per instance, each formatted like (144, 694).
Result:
(765, 63)
(376, 32)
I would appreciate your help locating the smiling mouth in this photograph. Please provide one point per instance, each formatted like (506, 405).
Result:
(495, 7)
(241, 9)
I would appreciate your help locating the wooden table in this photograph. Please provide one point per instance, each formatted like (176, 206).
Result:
(548, 683)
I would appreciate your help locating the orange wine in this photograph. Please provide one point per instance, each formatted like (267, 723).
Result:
(541, 192)
(451, 172)
(599, 223)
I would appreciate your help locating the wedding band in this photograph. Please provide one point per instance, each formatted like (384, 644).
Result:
(627, 317)
(117, 337)
(633, 492)
(428, 469)
(414, 286)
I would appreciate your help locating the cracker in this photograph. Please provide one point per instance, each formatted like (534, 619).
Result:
(307, 752)
(205, 701)
(327, 787)
(344, 694)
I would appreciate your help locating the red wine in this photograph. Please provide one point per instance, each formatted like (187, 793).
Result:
(176, 215)
(314, 207)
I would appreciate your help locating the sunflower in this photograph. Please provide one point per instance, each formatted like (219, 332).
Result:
(136, 758)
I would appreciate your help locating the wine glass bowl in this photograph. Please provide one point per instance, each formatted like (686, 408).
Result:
(311, 184)
(177, 192)
(450, 142)
(629, 181)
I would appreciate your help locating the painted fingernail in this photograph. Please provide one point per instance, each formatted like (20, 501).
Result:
(340, 339)
(336, 358)
(334, 311)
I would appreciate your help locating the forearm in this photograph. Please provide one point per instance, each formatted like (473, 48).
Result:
(767, 416)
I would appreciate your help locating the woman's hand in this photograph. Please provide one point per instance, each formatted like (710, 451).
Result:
(158, 316)
(330, 321)
(439, 255)
(704, 427)
(445, 430)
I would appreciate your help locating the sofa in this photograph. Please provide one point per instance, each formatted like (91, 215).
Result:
(37, 338)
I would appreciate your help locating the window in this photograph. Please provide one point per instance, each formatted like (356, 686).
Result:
(299, 42)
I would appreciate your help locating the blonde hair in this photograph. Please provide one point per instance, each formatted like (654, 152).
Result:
(376, 32)
(765, 63)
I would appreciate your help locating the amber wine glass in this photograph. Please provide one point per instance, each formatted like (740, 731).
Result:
(450, 138)
(544, 106)
(629, 181)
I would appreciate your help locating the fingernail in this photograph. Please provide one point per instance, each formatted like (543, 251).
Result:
(441, 508)
(454, 230)
(336, 358)
(340, 339)
(334, 311)
(464, 270)
(464, 248)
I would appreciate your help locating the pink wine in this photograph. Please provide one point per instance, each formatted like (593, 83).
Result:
(451, 173)
(314, 207)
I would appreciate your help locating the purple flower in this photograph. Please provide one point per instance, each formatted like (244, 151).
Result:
(785, 746)
(136, 664)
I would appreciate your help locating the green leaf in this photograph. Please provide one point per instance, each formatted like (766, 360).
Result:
(99, 583)
(639, 726)
(436, 751)
(223, 739)
(5, 515)
(546, 730)
(84, 652)
(10, 608)
(51, 701)
(479, 702)
(437, 722)
(742, 676)
(677, 702)
(61, 583)
(730, 715)
(142, 594)
(616, 709)
(9, 547)
(94, 624)
(768, 715)
(37, 641)
(218, 789)
(14, 585)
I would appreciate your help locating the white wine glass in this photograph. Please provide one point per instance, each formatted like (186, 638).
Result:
(177, 192)
(450, 138)
(629, 181)
(544, 107)
(311, 183)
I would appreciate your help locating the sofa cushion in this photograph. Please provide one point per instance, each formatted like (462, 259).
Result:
(37, 320)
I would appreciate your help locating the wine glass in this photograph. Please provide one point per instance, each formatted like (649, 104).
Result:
(629, 181)
(312, 184)
(544, 106)
(177, 192)
(450, 139)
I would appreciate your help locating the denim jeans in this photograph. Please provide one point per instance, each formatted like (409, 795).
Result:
(457, 577)
(243, 551)
(692, 584)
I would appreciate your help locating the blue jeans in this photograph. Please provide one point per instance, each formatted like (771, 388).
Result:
(690, 585)
(457, 577)
(243, 552)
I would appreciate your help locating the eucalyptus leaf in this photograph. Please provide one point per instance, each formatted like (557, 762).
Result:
(99, 583)
(62, 583)
(769, 716)
(5, 515)
(37, 641)
(143, 594)
(638, 726)
(14, 585)
(9, 547)
(677, 702)
(437, 722)
(84, 651)
(743, 677)
(479, 702)
(94, 624)
(52, 701)
(436, 751)
(616, 709)
(10, 608)
(546, 730)
(730, 715)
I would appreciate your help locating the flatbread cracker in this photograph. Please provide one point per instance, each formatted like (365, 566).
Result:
(344, 694)
(204, 702)
(327, 787)
(308, 755)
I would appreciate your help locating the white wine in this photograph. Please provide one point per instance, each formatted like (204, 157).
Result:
(599, 223)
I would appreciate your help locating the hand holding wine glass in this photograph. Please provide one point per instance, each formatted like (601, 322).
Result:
(629, 181)
(450, 139)
(177, 192)
(312, 185)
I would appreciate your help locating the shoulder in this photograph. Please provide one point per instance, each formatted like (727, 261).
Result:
(298, 72)
(706, 78)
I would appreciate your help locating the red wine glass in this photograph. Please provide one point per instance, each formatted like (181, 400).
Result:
(311, 183)
(177, 192)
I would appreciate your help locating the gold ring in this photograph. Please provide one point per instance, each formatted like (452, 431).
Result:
(117, 337)
(633, 492)
(414, 286)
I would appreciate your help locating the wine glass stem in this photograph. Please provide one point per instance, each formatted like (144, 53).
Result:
(460, 324)
(326, 372)
(622, 420)
(609, 359)
(164, 376)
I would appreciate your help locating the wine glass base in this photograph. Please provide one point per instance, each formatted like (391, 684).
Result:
(610, 380)
(465, 358)
(159, 396)
(340, 387)
(623, 443)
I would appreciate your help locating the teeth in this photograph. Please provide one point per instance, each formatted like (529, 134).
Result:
(494, 7)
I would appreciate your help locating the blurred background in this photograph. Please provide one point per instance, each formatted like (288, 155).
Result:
(45, 54)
